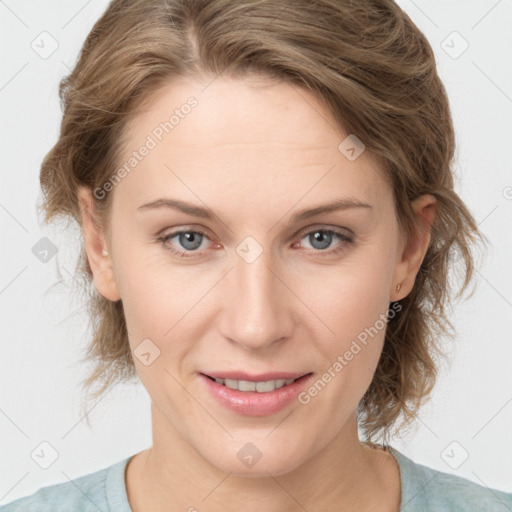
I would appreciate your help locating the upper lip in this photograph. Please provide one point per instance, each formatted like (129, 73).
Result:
(261, 377)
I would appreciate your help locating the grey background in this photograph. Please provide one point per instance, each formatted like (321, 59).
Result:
(465, 428)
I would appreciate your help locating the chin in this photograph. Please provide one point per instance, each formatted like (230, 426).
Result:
(250, 461)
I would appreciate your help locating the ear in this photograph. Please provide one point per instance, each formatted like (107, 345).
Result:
(412, 251)
(96, 247)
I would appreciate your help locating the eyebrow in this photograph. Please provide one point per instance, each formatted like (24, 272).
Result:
(205, 213)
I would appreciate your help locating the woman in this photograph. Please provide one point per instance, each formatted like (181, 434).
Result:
(268, 213)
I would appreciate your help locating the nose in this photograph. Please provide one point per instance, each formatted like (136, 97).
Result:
(256, 302)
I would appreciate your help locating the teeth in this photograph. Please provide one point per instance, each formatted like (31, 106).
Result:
(259, 387)
(244, 385)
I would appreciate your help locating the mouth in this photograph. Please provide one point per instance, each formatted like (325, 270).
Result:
(256, 385)
(255, 395)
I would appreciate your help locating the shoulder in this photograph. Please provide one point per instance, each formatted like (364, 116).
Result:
(424, 488)
(103, 490)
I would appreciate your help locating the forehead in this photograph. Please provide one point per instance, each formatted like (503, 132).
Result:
(250, 111)
(254, 136)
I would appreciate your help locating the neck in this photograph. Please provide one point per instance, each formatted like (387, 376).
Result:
(345, 474)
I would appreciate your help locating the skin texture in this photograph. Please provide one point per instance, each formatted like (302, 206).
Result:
(255, 152)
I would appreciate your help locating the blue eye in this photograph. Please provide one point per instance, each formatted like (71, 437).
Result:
(321, 239)
(191, 240)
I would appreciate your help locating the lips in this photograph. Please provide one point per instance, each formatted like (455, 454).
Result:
(260, 386)
(262, 377)
(254, 402)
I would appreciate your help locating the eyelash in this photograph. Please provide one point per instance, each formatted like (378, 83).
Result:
(189, 254)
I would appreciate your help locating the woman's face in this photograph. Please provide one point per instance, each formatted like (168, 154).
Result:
(253, 289)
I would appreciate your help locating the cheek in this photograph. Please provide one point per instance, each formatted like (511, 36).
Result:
(351, 299)
(164, 303)
(350, 355)
(151, 290)
(353, 310)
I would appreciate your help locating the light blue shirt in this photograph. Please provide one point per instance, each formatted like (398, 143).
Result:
(423, 489)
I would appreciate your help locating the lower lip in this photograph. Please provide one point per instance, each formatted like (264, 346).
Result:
(252, 403)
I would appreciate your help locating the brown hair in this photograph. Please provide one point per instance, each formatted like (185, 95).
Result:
(372, 68)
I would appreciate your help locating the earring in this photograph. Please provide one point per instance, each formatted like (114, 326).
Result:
(398, 286)
(105, 253)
